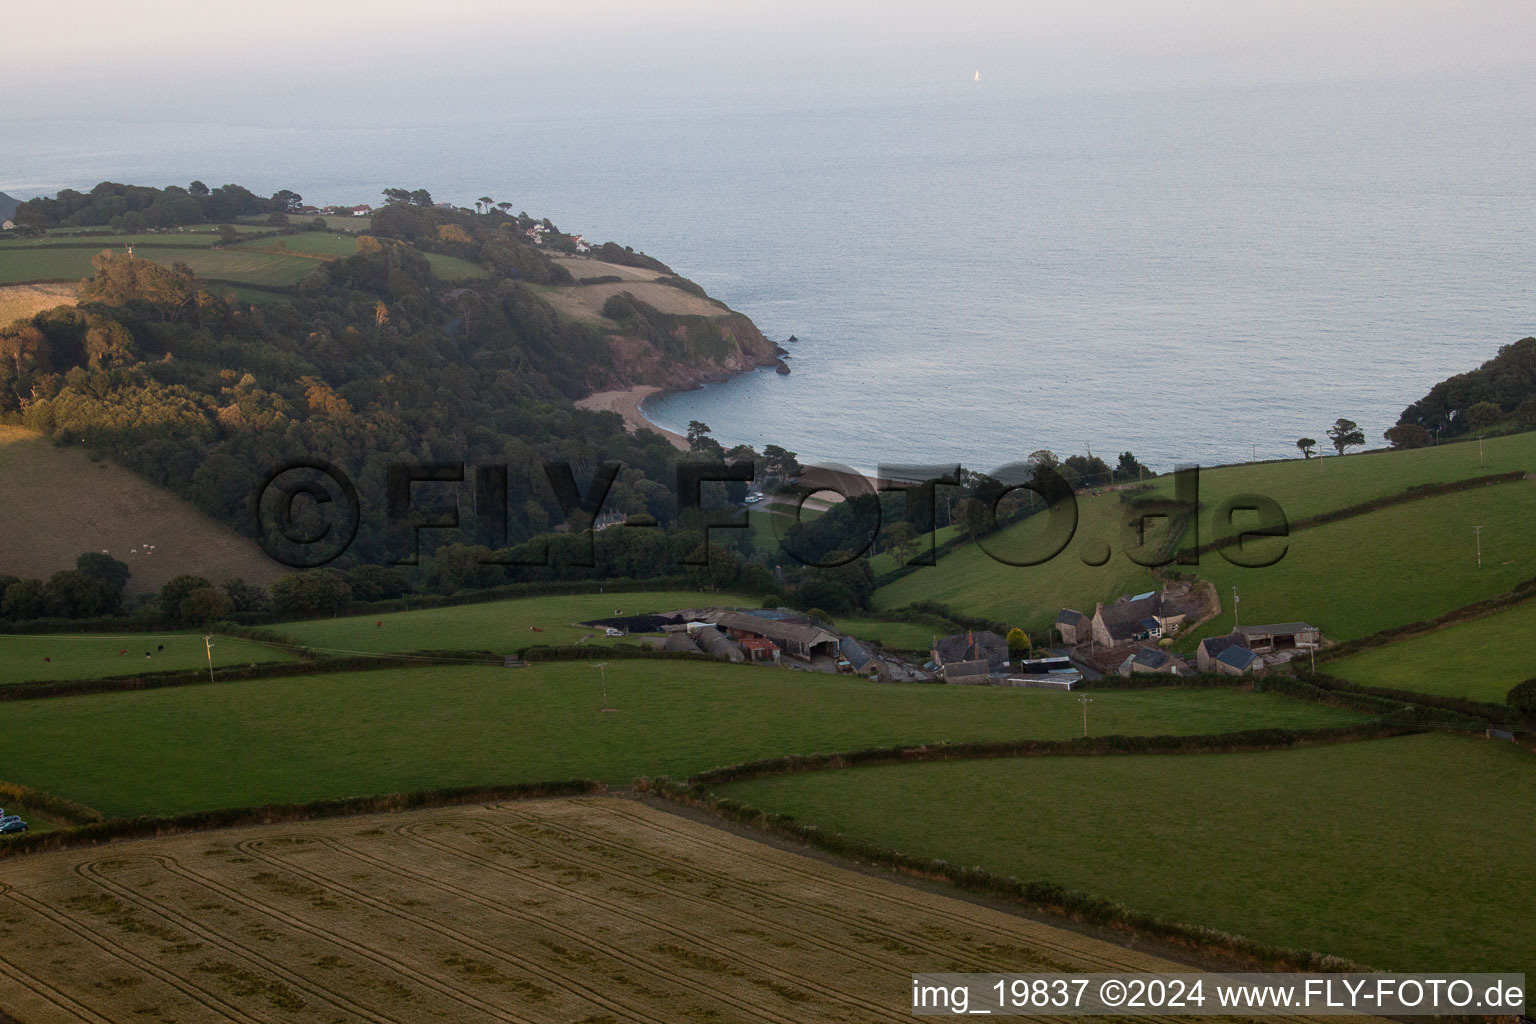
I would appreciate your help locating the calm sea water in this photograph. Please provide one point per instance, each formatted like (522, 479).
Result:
(1195, 275)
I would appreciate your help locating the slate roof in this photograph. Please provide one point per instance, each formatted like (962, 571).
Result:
(857, 654)
(1150, 624)
(1237, 657)
(1071, 617)
(965, 668)
(1149, 658)
(797, 632)
(983, 645)
(1123, 618)
(1214, 645)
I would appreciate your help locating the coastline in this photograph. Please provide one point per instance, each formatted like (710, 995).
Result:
(626, 402)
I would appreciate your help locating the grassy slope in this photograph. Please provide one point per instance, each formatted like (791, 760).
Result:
(1324, 848)
(307, 737)
(972, 582)
(246, 267)
(900, 636)
(1402, 564)
(1383, 548)
(451, 268)
(501, 626)
(93, 655)
(59, 504)
(1480, 659)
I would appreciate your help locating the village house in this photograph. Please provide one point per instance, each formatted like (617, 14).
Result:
(1211, 646)
(858, 659)
(984, 647)
(1073, 627)
(1129, 620)
(1236, 661)
(1152, 660)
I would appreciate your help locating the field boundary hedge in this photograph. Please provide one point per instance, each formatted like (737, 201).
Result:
(1243, 741)
(47, 804)
(109, 830)
(1036, 896)
(1522, 592)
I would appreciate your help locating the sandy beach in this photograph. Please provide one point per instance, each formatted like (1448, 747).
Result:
(627, 404)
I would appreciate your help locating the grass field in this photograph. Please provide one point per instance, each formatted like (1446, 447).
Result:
(1480, 659)
(1309, 487)
(241, 266)
(93, 655)
(63, 504)
(1399, 565)
(23, 301)
(500, 626)
(46, 265)
(900, 636)
(1343, 849)
(308, 737)
(451, 268)
(540, 911)
(973, 583)
(318, 243)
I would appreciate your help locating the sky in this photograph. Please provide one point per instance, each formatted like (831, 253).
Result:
(391, 62)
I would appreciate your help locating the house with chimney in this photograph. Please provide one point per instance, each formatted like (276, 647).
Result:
(977, 652)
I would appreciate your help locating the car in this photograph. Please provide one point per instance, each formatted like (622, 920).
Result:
(610, 631)
(753, 499)
(14, 825)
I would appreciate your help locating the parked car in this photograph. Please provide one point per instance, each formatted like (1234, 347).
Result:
(753, 499)
(610, 631)
(13, 825)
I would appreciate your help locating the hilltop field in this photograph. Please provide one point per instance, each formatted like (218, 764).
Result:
(59, 504)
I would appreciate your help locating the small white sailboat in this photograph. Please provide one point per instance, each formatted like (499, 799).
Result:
(978, 75)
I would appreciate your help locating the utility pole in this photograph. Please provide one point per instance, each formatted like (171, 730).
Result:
(208, 646)
(1235, 599)
(602, 670)
(1479, 451)
(1085, 700)
(1477, 531)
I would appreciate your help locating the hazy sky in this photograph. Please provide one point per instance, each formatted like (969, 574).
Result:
(389, 61)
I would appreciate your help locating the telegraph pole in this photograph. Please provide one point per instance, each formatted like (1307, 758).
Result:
(1235, 600)
(1085, 700)
(1477, 531)
(208, 646)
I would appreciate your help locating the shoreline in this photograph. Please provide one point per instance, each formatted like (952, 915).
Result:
(626, 402)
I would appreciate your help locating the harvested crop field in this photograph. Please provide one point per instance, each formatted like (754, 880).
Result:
(22, 301)
(590, 909)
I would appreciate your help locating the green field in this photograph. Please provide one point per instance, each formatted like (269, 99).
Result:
(500, 626)
(973, 583)
(243, 267)
(1480, 660)
(1346, 849)
(46, 265)
(308, 737)
(1402, 564)
(93, 655)
(898, 636)
(318, 243)
(451, 268)
(1309, 487)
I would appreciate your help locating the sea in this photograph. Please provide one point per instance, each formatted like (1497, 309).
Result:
(1195, 275)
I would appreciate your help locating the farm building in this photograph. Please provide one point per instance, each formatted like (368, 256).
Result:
(1280, 636)
(1236, 661)
(1152, 660)
(966, 672)
(759, 649)
(984, 646)
(1139, 617)
(678, 643)
(797, 639)
(856, 658)
(717, 645)
(1073, 626)
(1211, 646)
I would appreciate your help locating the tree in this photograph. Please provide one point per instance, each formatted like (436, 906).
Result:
(1525, 412)
(1019, 645)
(1308, 446)
(102, 566)
(1128, 468)
(23, 600)
(699, 441)
(1521, 699)
(74, 595)
(197, 188)
(1345, 434)
(1483, 415)
(286, 201)
(485, 201)
(314, 592)
(228, 234)
(397, 196)
(108, 343)
(902, 537)
(174, 591)
(421, 197)
(245, 597)
(1407, 435)
(780, 462)
(204, 606)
